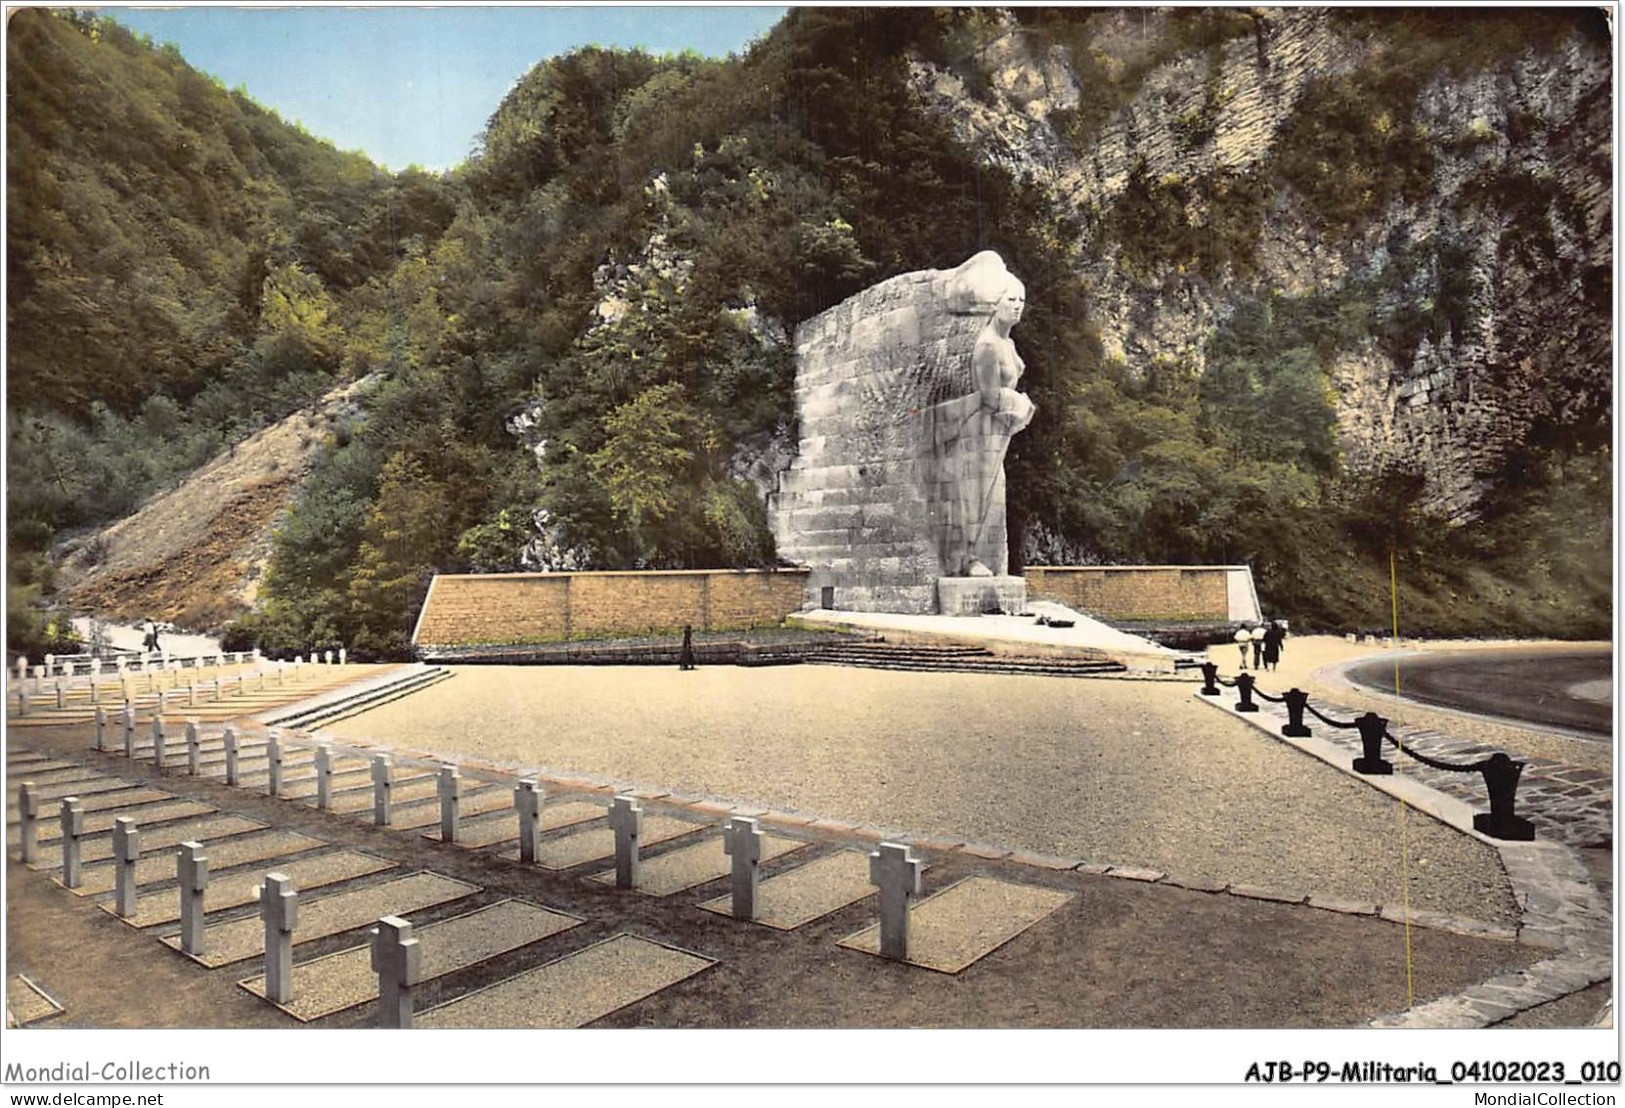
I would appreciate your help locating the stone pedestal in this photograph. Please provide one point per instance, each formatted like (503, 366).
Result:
(975, 596)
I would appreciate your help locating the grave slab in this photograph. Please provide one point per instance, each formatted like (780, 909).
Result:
(599, 842)
(239, 851)
(402, 791)
(28, 1002)
(126, 799)
(338, 981)
(89, 787)
(574, 990)
(304, 788)
(145, 815)
(688, 866)
(803, 894)
(238, 889)
(170, 836)
(965, 922)
(57, 776)
(225, 943)
(501, 828)
(412, 816)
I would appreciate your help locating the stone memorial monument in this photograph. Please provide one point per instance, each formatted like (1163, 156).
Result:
(906, 400)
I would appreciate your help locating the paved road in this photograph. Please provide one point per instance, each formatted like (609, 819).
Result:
(1572, 690)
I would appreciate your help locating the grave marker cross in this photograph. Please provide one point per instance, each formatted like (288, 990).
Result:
(73, 829)
(626, 820)
(383, 784)
(895, 869)
(397, 960)
(28, 804)
(192, 868)
(742, 841)
(126, 853)
(324, 776)
(450, 787)
(279, 908)
(528, 799)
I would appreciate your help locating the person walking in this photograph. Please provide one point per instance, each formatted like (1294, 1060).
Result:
(1272, 645)
(1258, 647)
(1244, 639)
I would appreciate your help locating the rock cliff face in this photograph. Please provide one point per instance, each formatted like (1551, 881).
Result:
(1459, 206)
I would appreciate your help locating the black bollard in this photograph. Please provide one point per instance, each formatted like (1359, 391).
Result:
(1210, 679)
(1372, 728)
(1296, 701)
(1502, 820)
(1244, 685)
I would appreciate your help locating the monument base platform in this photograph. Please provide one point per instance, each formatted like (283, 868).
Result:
(977, 596)
(1016, 636)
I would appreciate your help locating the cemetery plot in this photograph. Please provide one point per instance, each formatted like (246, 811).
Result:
(225, 943)
(238, 889)
(404, 790)
(599, 842)
(50, 827)
(338, 981)
(688, 866)
(409, 817)
(103, 801)
(222, 855)
(61, 772)
(89, 787)
(967, 921)
(167, 837)
(499, 829)
(28, 1002)
(304, 787)
(803, 894)
(574, 990)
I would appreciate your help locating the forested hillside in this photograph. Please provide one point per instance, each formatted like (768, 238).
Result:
(585, 328)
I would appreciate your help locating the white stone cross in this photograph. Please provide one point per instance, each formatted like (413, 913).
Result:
(191, 692)
(450, 787)
(742, 841)
(61, 694)
(229, 737)
(126, 853)
(28, 803)
(22, 702)
(895, 869)
(101, 728)
(95, 691)
(397, 960)
(194, 747)
(73, 829)
(273, 754)
(22, 666)
(158, 739)
(279, 909)
(383, 785)
(129, 729)
(626, 820)
(324, 776)
(327, 657)
(344, 656)
(217, 684)
(192, 868)
(95, 667)
(528, 799)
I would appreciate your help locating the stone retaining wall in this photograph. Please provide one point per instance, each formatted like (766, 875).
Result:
(1148, 592)
(548, 607)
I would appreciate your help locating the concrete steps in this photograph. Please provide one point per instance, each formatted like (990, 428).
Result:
(954, 659)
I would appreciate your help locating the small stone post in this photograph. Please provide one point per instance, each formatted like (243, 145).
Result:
(528, 799)
(61, 695)
(344, 656)
(397, 960)
(129, 730)
(273, 760)
(95, 667)
(383, 784)
(450, 787)
(22, 702)
(324, 775)
(126, 853)
(742, 841)
(22, 666)
(897, 872)
(73, 830)
(158, 739)
(191, 691)
(192, 867)
(279, 909)
(28, 804)
(101, 728)
(229, 737)
(327, 657)
(194, 747)
(95, 691)
(626, 820)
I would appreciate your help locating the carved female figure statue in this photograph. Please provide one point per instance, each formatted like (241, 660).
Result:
(995, 365)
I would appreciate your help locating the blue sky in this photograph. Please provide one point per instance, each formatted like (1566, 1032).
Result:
(414, 86)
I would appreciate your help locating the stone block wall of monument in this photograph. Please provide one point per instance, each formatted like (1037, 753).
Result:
(867, 504)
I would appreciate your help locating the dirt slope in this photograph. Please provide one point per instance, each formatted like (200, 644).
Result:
(194, 555)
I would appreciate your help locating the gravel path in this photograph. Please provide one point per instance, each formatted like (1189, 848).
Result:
(1133, 773)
